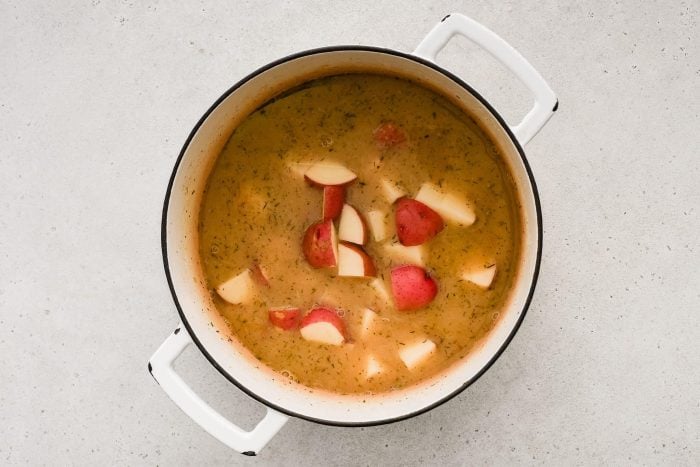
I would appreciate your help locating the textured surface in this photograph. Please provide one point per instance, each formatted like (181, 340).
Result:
(96, 99)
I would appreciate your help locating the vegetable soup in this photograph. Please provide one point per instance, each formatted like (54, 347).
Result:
(360, 233)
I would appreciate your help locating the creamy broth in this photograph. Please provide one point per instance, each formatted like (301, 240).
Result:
(257, 207)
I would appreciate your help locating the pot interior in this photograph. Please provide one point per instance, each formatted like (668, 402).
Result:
(194, 300)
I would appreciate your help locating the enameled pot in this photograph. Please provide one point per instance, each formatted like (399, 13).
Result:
(201, 323)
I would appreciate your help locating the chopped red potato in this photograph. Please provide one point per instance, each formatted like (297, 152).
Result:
(415, 354)
(406, 254)
(333, 200)
(329, 174)
(373, 367)
(320, 245)
(324, 326)
(259, 274)
(481, 276)
(450, 206)
(285, 317)
(353, 261)
(238, 289)
(377, 221)
(352, 227)
(392, 191)
(368, 319)
(416, 223)
(413, 288)
(381, 290)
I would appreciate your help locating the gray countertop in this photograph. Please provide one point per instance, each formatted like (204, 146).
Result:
(96, 99)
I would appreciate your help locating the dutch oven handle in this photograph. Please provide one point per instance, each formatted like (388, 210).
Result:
(245, 442)
(545, 101)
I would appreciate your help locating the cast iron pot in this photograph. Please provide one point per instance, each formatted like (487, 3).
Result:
(201, 323)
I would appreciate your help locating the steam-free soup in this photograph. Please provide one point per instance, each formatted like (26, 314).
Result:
(359, 233)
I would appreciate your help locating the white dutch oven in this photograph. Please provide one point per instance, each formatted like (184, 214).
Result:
(200, 321)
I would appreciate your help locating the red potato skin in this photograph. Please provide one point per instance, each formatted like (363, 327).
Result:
(258, 275)
(285, 318)
(324, 314)
(416, 223)
(318, 245)
(333, 200)
(388, 135)
(412, 287)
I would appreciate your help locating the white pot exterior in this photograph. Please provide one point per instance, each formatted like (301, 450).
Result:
(193, 299)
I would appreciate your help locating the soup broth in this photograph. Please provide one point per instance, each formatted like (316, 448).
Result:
(395, 136)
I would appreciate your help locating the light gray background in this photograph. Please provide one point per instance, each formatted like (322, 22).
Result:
(96, 99)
